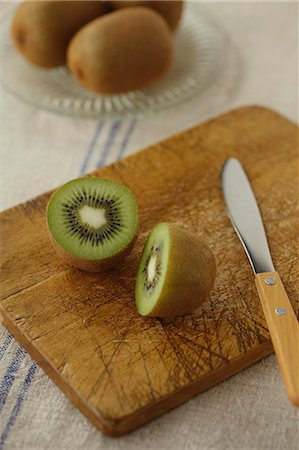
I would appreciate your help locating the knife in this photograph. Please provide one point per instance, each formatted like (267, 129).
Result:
(280, 317)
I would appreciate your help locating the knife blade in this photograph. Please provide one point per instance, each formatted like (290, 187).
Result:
(245, 216)
(246, 219)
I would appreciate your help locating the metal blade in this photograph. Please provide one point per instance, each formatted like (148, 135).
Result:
(245, 215)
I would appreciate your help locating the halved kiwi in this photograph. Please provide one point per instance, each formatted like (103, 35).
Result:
(92, 222)
(175, 273)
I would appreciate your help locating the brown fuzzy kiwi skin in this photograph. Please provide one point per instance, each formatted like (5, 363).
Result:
(170, 10)
(190, 275)
(91, 265)
(41, 30)
(125, 50)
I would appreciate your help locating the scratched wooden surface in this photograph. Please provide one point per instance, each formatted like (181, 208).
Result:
(121, 369)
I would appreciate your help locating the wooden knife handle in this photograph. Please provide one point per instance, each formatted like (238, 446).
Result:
(283, 327)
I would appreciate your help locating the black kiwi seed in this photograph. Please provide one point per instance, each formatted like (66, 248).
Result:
(84, 232)
(150, 286)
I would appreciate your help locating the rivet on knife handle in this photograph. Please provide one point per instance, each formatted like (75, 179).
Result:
(284, 329)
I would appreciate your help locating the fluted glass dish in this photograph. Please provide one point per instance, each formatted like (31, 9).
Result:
(199, 55)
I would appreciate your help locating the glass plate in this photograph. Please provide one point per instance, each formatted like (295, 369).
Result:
(199, 49)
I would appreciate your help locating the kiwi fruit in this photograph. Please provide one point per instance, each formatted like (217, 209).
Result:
(175, 273)
(41, 30)
(92, 222)
(122, 51)
(171, 10)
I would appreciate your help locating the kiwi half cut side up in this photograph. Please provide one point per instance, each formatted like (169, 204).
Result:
(175, 274)
(92, 222)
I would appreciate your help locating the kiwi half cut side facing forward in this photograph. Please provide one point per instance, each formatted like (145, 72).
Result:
(175, 273)
(92, 222)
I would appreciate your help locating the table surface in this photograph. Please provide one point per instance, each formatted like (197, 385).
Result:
(40, 150)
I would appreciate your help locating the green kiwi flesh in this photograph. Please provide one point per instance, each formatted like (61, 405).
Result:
(175, 273)
(92, 222)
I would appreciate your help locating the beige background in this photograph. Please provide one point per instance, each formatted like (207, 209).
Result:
(40, 150)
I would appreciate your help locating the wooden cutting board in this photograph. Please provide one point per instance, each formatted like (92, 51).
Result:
(119, 368)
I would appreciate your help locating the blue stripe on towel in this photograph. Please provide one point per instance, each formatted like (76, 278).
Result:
(91, 147)
(10, 375)
(5, 345)
(125, 141)
(18, 404)
(107, 147)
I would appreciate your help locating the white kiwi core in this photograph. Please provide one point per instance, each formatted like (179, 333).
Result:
(94, 217)
(151, 268)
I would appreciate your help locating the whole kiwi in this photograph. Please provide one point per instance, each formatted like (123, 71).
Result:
(171, 10)
(122, 51)
(41, 30)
